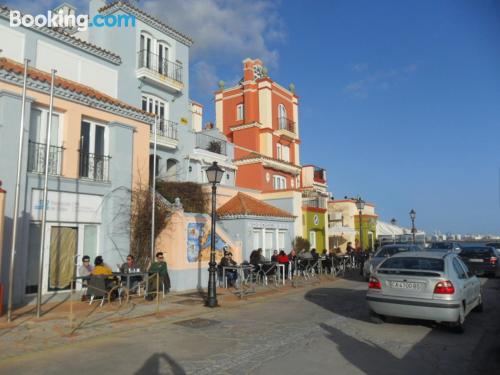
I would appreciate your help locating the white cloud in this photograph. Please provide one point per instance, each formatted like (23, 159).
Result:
(382, 79)
(224, 29)
(360, 67)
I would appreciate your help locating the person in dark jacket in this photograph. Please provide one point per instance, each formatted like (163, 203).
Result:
(231, 274)
(159, 268)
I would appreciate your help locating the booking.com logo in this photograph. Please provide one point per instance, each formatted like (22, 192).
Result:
(80, 22)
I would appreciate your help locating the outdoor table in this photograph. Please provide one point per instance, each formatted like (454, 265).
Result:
(129, 275)
(281, 272)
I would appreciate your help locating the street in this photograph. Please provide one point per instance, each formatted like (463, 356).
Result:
(315, 330)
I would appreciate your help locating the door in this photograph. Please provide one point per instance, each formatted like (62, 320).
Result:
(62, 257)
(93, 151)
(268, 250)
(312, 239)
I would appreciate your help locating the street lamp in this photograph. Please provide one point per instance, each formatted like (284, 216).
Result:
(360, 204)
(413, 215)
(214, 176)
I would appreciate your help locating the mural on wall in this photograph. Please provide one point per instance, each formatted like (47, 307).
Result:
(199, 241)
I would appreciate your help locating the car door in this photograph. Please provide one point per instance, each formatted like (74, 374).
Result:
(475, 284)
(465, 288)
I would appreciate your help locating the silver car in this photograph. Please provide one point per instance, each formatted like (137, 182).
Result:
(382, 254)
(424, 285)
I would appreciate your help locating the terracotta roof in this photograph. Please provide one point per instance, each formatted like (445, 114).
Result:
(39, 75)
(53, 31)
(126, 4)
(244, 204)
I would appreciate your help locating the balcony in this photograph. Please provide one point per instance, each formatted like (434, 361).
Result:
(36, 158)
(210, 143)
(314, 203)
(319, 175)
(286, 124)
(160, 71)
(94, 167)
(166, 133)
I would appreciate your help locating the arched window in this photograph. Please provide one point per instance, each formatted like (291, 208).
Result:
(171, 170)
(146, 50)
(240, 114)
(282, 120)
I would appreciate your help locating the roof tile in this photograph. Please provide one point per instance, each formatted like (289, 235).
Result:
(244, 204)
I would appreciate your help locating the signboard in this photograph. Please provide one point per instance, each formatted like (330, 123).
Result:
(66, 207)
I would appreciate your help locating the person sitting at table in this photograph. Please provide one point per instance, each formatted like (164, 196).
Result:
(274, 257)
(283, 259)
(231, 274)
(100, 268)
(86, 268)
(292, 258)
(158, 269)
(130, 267)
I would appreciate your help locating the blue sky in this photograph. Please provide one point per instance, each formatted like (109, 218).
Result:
(399, 100)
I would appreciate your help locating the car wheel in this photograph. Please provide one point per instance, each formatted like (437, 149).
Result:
(458, 327)
(480, 306)
(376, 318)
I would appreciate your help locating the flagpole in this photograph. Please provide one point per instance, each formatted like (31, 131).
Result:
(45, 192)
(16, 197)
(153, 193)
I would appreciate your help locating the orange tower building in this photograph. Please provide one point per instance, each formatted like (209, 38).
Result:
(261, 118)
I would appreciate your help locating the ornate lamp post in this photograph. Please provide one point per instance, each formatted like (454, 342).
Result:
(360, 204)
(413, 215)
(214, 176)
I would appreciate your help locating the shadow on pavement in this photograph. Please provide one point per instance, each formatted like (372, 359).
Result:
(160, 363)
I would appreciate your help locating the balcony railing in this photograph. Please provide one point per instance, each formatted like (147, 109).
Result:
(94, 167)
(160, 65)
(166, 128)
(36, 158)
(286, 124)
(209, 143)
(314, 202)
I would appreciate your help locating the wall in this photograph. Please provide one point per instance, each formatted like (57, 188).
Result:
(185, 275)
(319, 228)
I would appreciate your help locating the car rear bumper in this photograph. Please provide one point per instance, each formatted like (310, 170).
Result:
(441, 311)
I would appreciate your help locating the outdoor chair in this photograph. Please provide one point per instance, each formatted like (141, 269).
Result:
(269, 271)
(97, 289)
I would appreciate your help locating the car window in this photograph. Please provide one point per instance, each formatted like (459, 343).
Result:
(464, 266)
(442, 245)
(380, 253)
(476, 252)
(410, 263)
(459, 270)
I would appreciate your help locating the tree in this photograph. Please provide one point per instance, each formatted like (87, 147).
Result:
(301, 243)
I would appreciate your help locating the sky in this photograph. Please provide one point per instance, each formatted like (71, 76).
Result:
(399, 100)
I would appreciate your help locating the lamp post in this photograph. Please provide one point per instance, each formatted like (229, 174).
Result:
(360, 204)
(214, 176)
(413, 215)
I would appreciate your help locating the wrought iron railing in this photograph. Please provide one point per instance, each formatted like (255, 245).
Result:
(314, 202)
(286, 124)
(94, 167)
(210, 143)
(36, 158)
(166, 128)
(160, 65)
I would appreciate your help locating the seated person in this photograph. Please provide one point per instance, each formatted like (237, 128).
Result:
(158, 269)
(283, 259)
(100, 268)
(86, 268)
(274, 257)
(130, 267)
(231, 275)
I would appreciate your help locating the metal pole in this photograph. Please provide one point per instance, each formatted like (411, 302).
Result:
(153, 193)
(413, 229)
(16, 196)
(361, 229)
(212, 270)
(45, 192)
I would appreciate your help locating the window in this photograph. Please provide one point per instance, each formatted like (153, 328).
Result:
(37, 140)
(312, 239)
(281, 240)
(279, 182)
(162, 52)
(154, 105)
(282, 116)
(424, 264)
(240, 114)
(268, 249)
(286, 153)
(458, 269)
(257, 238)
(94, 151)
(90, 238)
(146, 46)
(279, 151)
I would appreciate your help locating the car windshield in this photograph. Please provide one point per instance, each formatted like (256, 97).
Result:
(391, 250)
(442, 245)
(496, 245)
(408, 263)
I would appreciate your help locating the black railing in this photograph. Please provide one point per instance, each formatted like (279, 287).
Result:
(36, 158)
(210, 143)
(286, 124)
(94, 167)
(166, 128)
(160, 65)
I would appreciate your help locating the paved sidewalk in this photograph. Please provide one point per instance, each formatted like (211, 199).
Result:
(27, 334)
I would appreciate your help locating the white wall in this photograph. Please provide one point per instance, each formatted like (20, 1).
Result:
(77, 68)
(11, 44)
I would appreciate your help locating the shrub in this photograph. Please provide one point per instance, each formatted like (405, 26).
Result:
(192, 197)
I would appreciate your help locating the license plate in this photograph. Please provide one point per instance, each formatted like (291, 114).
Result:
(405, 285)
(476, 260)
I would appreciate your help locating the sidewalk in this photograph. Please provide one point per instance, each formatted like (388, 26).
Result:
(55, 328)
